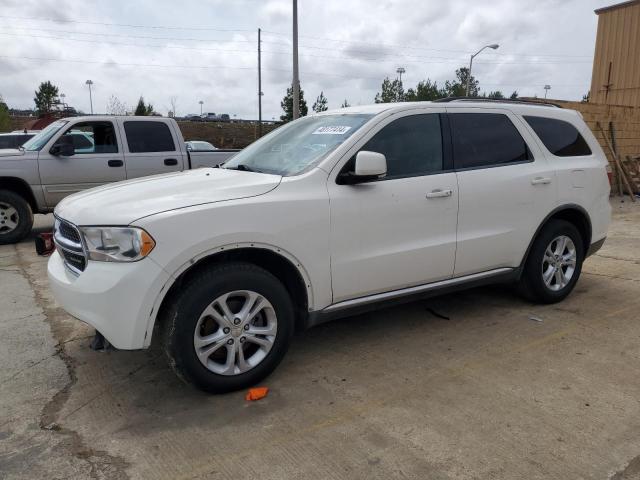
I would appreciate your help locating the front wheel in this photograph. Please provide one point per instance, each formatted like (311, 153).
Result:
(230, 327)
(554, 263)
(16, 217)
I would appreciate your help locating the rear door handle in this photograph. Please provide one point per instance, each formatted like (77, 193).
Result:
(439, 193)
(115, 163)
(540, 181)
(170, 162)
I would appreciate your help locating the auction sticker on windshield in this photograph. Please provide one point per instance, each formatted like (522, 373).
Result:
(336, 130)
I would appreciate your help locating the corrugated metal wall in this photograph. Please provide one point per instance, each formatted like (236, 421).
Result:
(616, 64)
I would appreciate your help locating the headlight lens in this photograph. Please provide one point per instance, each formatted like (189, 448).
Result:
(117, 244)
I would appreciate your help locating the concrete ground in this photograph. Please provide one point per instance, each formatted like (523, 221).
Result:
(465, 386)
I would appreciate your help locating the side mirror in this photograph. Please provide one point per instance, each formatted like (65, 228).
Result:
(63, 147)
(368, 166)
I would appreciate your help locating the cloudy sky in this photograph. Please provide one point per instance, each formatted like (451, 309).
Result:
(206, 49)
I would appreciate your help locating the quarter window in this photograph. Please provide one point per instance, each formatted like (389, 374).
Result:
(561, 138)
(93, 137)
(148, 137)
(412, 146)
(486, 139)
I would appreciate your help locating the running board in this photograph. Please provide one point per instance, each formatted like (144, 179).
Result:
(363, 304)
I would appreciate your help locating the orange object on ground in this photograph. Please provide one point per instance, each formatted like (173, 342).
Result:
(256, 393)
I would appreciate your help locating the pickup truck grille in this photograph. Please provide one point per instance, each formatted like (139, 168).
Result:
(69, 244)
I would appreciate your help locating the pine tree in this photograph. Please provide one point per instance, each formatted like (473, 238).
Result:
(142, 109)
(5, 121)
(287, 105)
(345, 104)
(392, 91)
(46, 97)
(320, 104)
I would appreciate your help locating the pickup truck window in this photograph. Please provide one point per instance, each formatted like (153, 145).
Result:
(298, 145)
(41, 139)
(148, 137)
(93, 137)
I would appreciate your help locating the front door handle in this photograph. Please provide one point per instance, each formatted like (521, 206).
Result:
(439, 193)
(170, 162)
(540, 181)
(115, 163)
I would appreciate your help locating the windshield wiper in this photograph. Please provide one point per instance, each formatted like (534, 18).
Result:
(242, 167)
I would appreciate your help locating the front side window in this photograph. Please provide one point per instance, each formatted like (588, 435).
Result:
(298, 145)
(486, 139)
(145, 137)
(412, 146)
(561, 138)
(92, 138)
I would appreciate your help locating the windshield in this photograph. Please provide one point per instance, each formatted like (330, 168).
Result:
(41, 139)
(298, 145)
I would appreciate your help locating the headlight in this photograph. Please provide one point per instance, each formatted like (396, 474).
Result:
(117, 244)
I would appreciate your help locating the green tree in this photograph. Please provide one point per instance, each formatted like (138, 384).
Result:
(391, 91)
(46, 97)
(320, 104)
(514, 95)
(142, 109)
(287, 105)
(5, 121)
(345, 104)
(458, 87)
(426, 90)
(496, 95)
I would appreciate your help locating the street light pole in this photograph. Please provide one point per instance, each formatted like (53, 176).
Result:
(259, 86)
(399, 71)
(89, 82)
(492, 46)
(200, 102)
(296, 78)
(546, 89)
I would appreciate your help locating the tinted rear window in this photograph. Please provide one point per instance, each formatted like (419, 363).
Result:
(148, 137)
(486, 139)
(560, 137)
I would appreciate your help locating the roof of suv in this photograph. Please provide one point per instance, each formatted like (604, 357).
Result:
(518, 107)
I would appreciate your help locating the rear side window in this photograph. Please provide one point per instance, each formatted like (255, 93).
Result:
(486, 139)
(148, 137)
(560, 137)
(412, 145)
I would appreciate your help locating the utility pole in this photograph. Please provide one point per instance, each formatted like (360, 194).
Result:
(259, 88)
(89, 82)
(296, 79)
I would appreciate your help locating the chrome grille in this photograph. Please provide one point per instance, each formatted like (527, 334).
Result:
(69, 244)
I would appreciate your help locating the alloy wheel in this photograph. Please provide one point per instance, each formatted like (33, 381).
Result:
(9, 218)
(559, 263)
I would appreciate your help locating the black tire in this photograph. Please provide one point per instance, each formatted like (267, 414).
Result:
(23, 215)
(181, 318)
(532, 284)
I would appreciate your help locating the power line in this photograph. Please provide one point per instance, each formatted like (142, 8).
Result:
(127, 25)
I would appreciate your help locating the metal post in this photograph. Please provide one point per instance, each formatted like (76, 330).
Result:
(90, 82)
(259, 88)
(469, 76)
(296, 78)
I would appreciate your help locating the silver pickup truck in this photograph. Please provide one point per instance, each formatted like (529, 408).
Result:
(77, 153)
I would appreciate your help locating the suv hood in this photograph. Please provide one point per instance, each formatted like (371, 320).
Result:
(124, 202)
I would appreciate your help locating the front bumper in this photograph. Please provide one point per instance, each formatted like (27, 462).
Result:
(117, 299)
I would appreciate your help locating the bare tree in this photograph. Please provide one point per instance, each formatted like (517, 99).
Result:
(173, 101)
(115, 106)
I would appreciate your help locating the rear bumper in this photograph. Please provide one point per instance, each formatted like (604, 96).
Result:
(116, 299)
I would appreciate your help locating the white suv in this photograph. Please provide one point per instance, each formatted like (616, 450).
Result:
(329, 215)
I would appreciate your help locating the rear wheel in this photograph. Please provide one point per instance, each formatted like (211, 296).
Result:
(554, 263)
(230, 327)
(16, 217)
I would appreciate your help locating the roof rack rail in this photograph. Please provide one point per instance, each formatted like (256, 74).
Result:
(495, 100)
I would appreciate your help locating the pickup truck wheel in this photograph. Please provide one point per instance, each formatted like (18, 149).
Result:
(16, 217)
(230, 327)
(554, 263)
